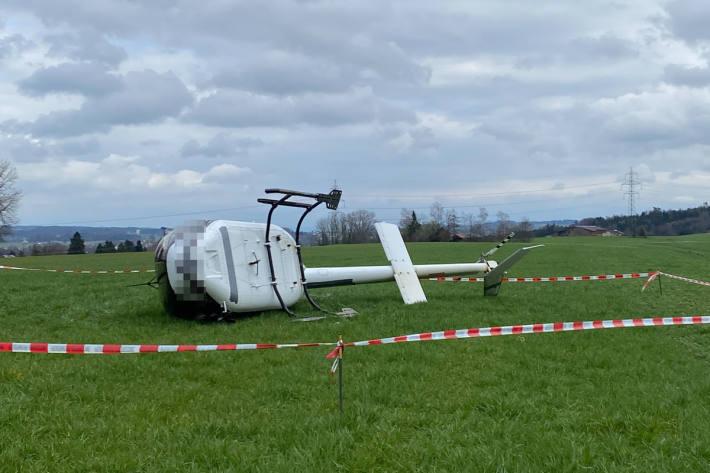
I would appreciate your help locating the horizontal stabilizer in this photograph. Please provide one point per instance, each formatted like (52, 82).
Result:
(404, 272)
(493, 279)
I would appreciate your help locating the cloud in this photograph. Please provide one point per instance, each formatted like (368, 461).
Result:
(345, 34)
(690, 76)
(21, 148)
(418, 139)
(408, 140)
(231, 108)
(601, 48)
(26, 149)
(221, 145)
(687, 161)
(689, 19)
(86, 44)
(77, 147)
(13, 44)
(224, 173)
(145, 97)
(79, 78)
(117, 174)
(667, 114)
(281, 73)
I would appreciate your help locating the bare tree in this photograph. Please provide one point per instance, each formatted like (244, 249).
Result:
(359, 227)
(478, 230)
(437, 213)
(468, 225)
(335, 234)
(322, 232)
(525, 230)
(405, 219)
(504, 224)
(9, 197)
(355, 227)
(46, 249)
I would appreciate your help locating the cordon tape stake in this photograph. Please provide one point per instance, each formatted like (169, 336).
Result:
(652, 276)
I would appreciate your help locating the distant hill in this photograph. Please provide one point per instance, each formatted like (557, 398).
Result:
(22, 234)
(42, 234)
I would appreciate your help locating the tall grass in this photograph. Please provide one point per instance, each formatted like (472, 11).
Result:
(612, 400)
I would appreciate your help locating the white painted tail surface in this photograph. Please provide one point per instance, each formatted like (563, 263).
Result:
(404, 272)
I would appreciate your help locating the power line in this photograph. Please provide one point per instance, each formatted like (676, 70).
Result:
(490, 194)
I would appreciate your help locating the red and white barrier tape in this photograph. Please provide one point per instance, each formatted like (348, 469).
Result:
(681, 278)
(88, 349)
(82, 271)
(536, 328)
(549, 279)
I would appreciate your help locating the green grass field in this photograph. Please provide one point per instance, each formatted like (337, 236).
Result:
(605, 400)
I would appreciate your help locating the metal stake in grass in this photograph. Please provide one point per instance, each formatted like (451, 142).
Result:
(338, 363)
(340, 373)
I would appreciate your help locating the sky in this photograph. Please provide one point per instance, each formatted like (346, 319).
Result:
(129, 113)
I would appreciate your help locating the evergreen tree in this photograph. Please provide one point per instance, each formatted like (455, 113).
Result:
(412, 227)
(99, 248)
(127, 245)
(108, 247)
(76, 245)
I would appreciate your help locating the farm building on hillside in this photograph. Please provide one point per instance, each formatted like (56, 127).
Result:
(590, 230)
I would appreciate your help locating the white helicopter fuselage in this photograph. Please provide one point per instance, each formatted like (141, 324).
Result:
(229, 262)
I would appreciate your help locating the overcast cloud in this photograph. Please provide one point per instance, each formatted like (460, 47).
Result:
(113, 111)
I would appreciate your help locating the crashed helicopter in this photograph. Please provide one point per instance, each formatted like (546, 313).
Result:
(212, 270)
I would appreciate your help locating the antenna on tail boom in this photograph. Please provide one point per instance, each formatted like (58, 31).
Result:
(484, 257)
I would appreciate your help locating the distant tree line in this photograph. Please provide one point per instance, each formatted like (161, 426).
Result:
(77, 247)
(550, 229)
(442, 225)
(658, 222)
(448, 225)
(123, 247)
(22, 233)
(47, 249)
